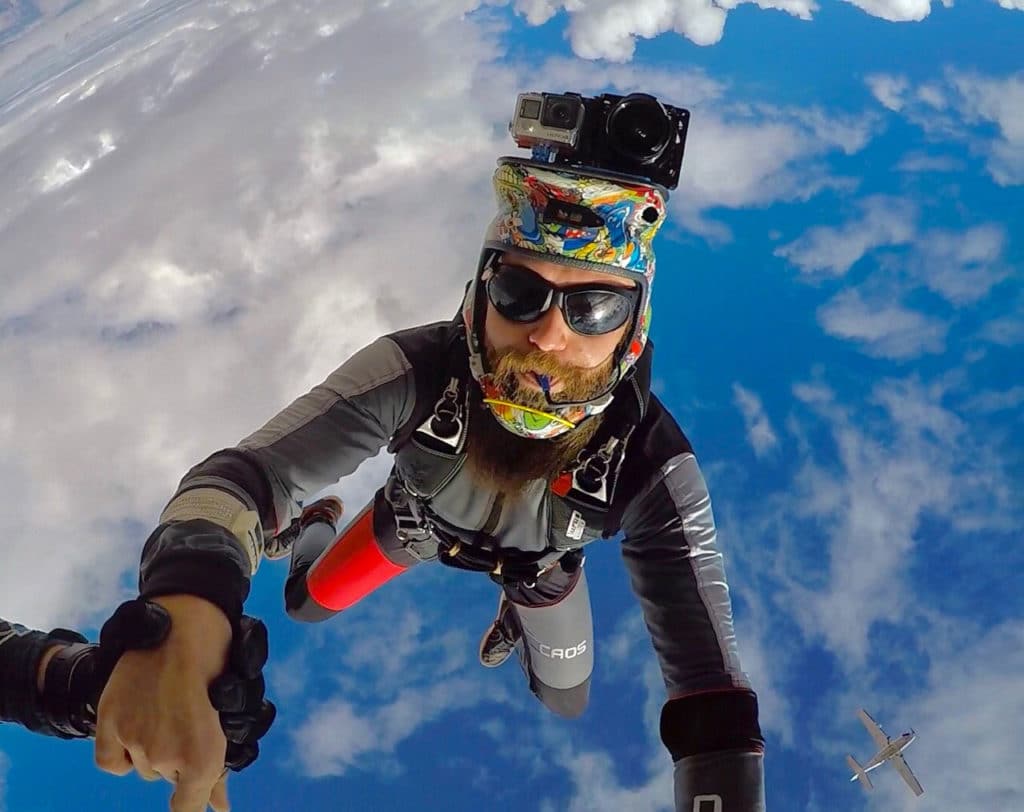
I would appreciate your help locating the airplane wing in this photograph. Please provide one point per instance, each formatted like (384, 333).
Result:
(903, 769)
(873, 728)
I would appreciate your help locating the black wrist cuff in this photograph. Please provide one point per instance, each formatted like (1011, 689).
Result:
(20, 700)
(67, 701)
(196, 557)
(711, 720)
(205, 575)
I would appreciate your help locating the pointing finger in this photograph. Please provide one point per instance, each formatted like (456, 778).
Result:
(219, 796)
(191, 795)
(109, 752)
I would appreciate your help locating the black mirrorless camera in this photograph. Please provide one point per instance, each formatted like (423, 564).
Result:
(633, 135)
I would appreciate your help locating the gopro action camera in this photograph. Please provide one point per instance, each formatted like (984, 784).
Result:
(634, 135)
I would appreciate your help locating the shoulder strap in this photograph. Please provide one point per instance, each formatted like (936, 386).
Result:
(626, 413)
(436, 353)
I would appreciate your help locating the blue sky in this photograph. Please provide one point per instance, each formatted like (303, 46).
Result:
(204, 209)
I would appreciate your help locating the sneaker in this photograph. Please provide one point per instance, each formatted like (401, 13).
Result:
(329, 508)
(501, 636)
(281, 545)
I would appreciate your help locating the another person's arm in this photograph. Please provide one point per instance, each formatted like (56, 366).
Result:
(25, 655)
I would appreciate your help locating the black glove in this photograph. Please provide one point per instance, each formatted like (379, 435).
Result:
(238, 693)
(78, 673)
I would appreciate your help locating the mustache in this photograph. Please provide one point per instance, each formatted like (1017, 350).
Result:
(577, 383)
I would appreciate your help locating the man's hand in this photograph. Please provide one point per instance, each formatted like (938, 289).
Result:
(155, 714)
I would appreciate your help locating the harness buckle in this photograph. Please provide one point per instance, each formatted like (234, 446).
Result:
(410, 528)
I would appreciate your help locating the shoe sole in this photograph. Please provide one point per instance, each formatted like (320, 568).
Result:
(487, 634)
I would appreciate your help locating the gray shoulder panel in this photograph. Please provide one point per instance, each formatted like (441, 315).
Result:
(678, 575)
(327, 433)
(689, 492)
(364, 380)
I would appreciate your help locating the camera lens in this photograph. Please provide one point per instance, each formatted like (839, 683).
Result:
(561, 112)
(639, 129)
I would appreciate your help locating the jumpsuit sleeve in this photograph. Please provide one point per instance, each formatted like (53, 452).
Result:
(319, 438)
(710, 722)
(678, 575)
(21, 652)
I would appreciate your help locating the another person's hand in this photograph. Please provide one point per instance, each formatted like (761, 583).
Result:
(155, 715)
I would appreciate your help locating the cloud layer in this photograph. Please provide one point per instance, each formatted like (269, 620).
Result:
(203, 209)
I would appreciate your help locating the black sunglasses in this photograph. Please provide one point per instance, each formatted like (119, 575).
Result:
(590, 309)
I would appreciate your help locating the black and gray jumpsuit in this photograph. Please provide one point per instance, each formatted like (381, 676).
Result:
(661, 507)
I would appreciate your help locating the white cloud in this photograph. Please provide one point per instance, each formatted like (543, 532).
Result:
(608, 29)
(893, 471)
(618, 649)
(895, 10)
(1006, 330)
(933, 95)
(741, 158)
(883, 328)
(999, 102)
(336, 736)
(597, 789)
(374, 676)
(181, 286)
(889, 90)
(964, 106)
(689, 87)
(921, 162)
(961, 266)
(988, 401)
(833, 250)
(760, 434)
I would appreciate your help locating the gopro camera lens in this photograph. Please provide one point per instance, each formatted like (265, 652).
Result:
(639, 129)
(561, 112)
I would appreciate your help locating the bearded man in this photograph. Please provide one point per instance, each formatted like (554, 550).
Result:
(521, 430)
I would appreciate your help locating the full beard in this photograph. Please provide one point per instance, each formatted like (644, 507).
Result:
(506, 462)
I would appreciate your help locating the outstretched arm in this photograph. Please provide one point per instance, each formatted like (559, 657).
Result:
(198, 563)
(228, 508)
(710, 722)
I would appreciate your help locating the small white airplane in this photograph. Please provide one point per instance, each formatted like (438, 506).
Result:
(888, 750)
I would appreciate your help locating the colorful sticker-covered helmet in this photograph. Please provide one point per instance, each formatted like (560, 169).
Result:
(594, 221)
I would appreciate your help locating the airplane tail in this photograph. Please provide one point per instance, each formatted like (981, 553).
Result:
(859, 773)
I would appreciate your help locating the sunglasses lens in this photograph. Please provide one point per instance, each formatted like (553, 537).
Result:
(517, 295)
(522, 296)
(595, 312)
